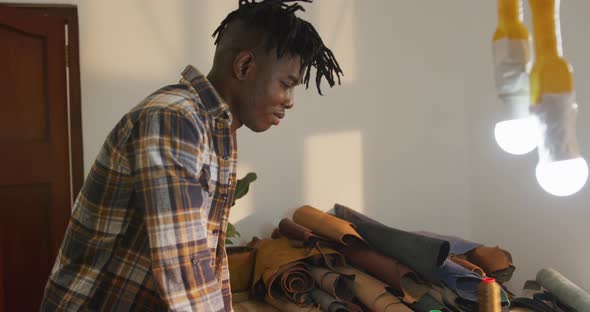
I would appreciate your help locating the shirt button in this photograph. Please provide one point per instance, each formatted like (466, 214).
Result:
(195, 260)
(225, 157)
(231, 182)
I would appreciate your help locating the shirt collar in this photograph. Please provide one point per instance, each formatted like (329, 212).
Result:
(211, 99)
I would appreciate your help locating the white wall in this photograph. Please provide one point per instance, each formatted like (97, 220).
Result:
(407, 138)
(508, 206)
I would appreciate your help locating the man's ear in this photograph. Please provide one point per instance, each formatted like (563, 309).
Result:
(243, 64)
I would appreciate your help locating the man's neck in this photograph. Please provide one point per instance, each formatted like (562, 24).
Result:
(222, 90)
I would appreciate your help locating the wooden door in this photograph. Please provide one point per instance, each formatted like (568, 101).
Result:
(35, 178)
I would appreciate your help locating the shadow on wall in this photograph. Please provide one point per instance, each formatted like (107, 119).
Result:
(392, 141)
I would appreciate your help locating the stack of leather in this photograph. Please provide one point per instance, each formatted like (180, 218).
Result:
(453, 266)
(348, 262)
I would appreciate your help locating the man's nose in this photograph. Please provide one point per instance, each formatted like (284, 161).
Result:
(291, 101)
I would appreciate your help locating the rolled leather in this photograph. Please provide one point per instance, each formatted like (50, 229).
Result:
(337, 285)
(327, 225)
(566, 291)
(467, 265)
(327, 302)
(397, 275)
(373, 293)
(279, 270)
(298, 232)
(421, 253)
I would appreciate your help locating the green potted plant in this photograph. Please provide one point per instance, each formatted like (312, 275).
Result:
(240, 258)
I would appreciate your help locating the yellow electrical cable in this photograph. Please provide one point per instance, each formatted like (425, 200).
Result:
(510, 21)
(550, 73)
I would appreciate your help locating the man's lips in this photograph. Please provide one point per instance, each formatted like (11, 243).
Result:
(278, 116)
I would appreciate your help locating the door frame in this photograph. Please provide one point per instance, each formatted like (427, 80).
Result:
(69, 13)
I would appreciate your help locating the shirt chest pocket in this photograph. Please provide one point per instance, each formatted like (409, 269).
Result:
(208, 178)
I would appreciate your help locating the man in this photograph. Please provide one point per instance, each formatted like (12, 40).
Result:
(148, 228)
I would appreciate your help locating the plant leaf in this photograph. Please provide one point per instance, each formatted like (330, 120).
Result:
(231, 231)
(243, 186)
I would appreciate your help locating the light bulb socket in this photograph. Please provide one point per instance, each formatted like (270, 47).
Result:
(511, 62)
(556, 116)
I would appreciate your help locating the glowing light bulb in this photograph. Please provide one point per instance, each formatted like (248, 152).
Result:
(564, 177)
(517, 136)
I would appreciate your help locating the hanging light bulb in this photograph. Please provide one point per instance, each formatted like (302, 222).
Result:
(561, 170)
(517, 134)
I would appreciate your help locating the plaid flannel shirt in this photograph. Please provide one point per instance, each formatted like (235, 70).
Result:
(147, 231)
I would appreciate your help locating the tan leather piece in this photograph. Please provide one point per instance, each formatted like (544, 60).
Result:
(277, 258)
(241, 265)
(495, 262)
(338, 285)
(327, 225)
(373, 293)
(468, 265)
(288, 306)
(296, 231)
(395, 274)
(490, 259)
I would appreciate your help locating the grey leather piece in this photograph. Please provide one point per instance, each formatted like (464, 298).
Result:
(566, 291)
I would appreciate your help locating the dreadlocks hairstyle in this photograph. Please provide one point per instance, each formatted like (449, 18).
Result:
(287, 33)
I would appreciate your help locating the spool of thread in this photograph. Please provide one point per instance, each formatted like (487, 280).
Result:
(489, 296)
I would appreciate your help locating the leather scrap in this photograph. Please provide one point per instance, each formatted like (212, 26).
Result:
(464, 282)
(279, 270)
(298, 232)
(373, 293)
(467, 265)
(421, 253)
(240, 265)
(337, 285)
(391, 271)
(495, 262)
(327, 225)
(327, 302)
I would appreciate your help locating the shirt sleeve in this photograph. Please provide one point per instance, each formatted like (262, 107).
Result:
(168, 156)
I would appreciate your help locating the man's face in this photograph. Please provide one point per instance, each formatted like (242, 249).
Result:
(268, 91)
